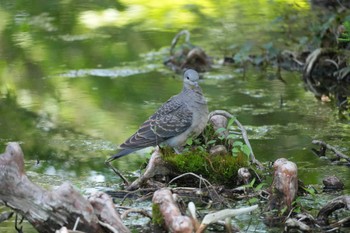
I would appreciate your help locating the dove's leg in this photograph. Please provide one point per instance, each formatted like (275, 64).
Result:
(178, 149)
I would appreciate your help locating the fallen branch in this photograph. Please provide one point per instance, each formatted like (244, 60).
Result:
(138, 211)
(292, 223)
(222, 215)
(217, 217)
(324, 146)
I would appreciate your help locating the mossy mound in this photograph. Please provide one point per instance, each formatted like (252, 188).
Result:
(221, 170)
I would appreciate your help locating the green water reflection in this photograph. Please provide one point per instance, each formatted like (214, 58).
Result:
(77, 78)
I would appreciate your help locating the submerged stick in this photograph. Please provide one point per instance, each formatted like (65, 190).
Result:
(332, 148)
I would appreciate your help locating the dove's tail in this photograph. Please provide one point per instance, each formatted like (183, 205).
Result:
(121, 153)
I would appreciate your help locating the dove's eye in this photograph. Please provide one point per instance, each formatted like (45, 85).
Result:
(188, 78)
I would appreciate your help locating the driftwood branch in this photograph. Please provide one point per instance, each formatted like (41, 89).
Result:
(46, 210)
(225, 214)
(166, 208)
(292, 223)
(243, 132)
(324, 146)
(137, 211)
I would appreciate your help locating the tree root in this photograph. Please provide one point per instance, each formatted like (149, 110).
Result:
(335, 204)
(174, 221)
(49, 211)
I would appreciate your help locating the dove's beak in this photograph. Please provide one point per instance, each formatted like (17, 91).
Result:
(194, 85)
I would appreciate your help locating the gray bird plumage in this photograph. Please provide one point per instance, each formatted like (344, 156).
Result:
(182, 116)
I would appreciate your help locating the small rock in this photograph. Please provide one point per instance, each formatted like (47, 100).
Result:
(218, 150)
(218, 121)
(243, 176)
(332, 183)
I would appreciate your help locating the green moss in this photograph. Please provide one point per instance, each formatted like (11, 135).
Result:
(157, 218)
(217, 169)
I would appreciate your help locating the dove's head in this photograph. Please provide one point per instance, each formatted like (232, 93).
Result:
(191, 78)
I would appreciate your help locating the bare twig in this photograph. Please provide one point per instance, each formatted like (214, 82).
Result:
(192, 174)
(243, 132)
(108, 226)
(139, 211)
(126, 182)
(76, 224)
(342, 222)
(341, 5)
(176, 38)
(206, 183)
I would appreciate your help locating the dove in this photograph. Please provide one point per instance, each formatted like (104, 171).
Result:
(183, 116)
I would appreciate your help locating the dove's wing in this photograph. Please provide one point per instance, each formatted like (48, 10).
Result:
(171, 119)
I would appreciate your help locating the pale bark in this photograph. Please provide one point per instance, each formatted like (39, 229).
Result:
(46, 210)
(284, 187)
(174, 220)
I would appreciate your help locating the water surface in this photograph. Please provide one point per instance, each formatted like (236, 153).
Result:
(77, 78)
